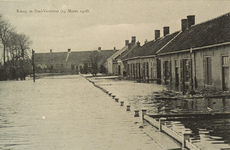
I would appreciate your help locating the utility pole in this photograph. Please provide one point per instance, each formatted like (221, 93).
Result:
(33, 65)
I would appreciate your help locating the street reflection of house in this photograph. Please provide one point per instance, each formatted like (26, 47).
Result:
(71, 62)
(198, 57)
(142, 64)
(202, 105)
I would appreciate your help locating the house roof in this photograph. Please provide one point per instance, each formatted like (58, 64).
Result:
(124, 54)
(212, 32)
(50, 57)
(81, 56)
(151, 47)
(72, 57)
(118, 53)
(105, 54)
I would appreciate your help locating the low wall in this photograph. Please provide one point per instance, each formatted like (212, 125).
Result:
(184, 140)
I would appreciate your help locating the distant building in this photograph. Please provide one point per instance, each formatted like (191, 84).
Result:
(69, 61)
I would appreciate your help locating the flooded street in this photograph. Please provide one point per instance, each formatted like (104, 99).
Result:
(207, 134)
(68, 112)
(65, 112)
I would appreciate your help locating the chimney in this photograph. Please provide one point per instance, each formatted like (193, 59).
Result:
(166, 31)
(129, 45)
(133, 40)
(157, 34)
(191, 20)
(184, 24)
(126, 42)
(50, 50)
(69, 50)
(138, 44)
(99, 48)
(114, 48)
(146, 41)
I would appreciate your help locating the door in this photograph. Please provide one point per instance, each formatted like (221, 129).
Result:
(177, 77)
(158, 70)
(147, 71)
(77, 69)
(119, 70)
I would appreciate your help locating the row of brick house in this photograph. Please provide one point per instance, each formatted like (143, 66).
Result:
(71, 62)
(194, 58)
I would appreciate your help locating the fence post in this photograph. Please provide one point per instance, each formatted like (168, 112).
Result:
(143, 112)
(128, 107)
(186, 136)
(122, 103)
(117, 99)
(136, 113)
(161, 122)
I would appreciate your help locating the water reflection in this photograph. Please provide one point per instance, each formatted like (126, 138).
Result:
(211, 131)
(192, 106)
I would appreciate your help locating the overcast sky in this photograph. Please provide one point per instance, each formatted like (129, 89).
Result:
(102, 23)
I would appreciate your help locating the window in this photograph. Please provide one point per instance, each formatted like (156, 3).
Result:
(176, 63)
(225, 60)
(187, 70)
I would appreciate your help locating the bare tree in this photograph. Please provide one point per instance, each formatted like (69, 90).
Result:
(5, 30)
(94, 60)
(20, 53)
(16, 50)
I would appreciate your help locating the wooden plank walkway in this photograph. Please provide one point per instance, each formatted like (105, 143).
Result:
(211, 115)
(192, 97)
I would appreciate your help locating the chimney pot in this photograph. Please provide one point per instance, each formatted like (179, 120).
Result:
(50, 50)
(157, 34)
(133, 40)
(114, 48)
(166, 31)
(126, 42)
(99, 48)
(191, 20)
(138, 44)
(184, 24)
(69, 50)
(129, 45)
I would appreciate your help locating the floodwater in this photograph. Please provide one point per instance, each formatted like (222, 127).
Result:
(206, 134)
(65, 112)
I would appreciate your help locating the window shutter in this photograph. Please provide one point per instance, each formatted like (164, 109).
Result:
(147, 69)
(191, 73)
(181, 70)
(209, 67)
(189, 69)
(164, 71)
(205, 70)
(170, 70)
